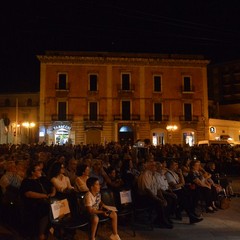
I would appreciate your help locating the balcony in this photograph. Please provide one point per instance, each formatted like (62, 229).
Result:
(62, 117)
(61, 91)
(93, 122)
(187, 90)
(188, 119)
(92, 92)
(162, 118)
(126, 91)
(134, 117)
(96, 118)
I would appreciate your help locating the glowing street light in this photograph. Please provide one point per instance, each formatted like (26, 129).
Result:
(28, 125)
(171, 128)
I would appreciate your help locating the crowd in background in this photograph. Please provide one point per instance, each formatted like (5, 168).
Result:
(64, 169)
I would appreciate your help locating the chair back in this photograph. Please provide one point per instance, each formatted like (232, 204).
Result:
(107, 197)
(80, 202)
(123, 199)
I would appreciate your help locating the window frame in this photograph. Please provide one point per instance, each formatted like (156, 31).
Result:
(60, 85)
(124, 84)
(130, 110)
(154, 83)
(185, 113)
(90, 84)
(89, 110)
(154, 111)
(187, 87)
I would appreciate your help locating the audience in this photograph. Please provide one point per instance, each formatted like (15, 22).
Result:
(117, 166)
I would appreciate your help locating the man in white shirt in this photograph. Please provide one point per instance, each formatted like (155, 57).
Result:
(176, 181)
(148, 187)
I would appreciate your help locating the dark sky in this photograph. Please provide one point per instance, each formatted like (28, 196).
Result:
(28, 28)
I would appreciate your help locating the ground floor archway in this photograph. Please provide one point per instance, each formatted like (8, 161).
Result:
(126, 135)
(189, 137)
(158, 136)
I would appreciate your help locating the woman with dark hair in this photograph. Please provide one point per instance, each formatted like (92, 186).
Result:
(35, 191)
(82, 173)
(59, 180)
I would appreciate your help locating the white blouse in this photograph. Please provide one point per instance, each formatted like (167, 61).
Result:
(61, 183)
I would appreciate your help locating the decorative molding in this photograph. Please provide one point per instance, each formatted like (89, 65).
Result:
(160, 60)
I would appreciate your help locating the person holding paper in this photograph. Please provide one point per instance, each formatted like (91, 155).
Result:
(35, 191)
(95, 207)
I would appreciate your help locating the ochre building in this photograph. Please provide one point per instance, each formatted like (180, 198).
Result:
(98, 97)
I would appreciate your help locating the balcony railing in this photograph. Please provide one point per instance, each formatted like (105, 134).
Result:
(89, 117)
(162, 118)
(189, 119)
(185, 89)
(93, 92)
(62, 88)
(122, 89)
(63, 117)
(133, 117)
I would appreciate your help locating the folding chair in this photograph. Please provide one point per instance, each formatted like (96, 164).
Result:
(124, 204)
(65, 222)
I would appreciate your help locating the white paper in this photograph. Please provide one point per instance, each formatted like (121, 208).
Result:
(60, 208)
(125, 197)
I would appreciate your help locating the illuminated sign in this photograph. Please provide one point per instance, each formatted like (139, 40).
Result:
(61, 127)
(212, 129)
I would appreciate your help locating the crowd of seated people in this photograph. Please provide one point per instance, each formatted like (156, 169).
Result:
(167, 176)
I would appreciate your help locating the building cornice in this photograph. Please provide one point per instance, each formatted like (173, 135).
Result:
(138, 60)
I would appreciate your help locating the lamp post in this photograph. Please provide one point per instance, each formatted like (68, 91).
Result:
(28, 125)
(171, 128)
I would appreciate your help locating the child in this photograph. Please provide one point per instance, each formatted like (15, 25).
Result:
(96, 207)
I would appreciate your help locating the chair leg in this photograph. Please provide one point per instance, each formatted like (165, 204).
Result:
(133, 225)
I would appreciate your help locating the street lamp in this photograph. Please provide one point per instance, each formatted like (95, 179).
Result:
(28, 125)
(171, 128)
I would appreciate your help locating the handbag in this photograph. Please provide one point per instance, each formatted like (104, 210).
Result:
(225, 203)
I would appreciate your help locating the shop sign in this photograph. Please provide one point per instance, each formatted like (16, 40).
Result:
(62, 126)
(93, 126)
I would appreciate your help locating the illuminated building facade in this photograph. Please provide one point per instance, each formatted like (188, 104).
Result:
(97, 97)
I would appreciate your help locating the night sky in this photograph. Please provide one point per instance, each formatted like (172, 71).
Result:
(28, 28)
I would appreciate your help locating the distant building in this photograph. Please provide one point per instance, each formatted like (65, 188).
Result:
(93, 97)
(19, 118)
(224, 90)
(224, 99)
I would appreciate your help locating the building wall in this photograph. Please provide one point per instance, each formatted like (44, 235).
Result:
(19, 108)
(224, 128)
(108, 67)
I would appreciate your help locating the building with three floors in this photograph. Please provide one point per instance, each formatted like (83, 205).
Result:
(98, 97)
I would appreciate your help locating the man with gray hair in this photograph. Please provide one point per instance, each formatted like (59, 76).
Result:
(150, 192)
